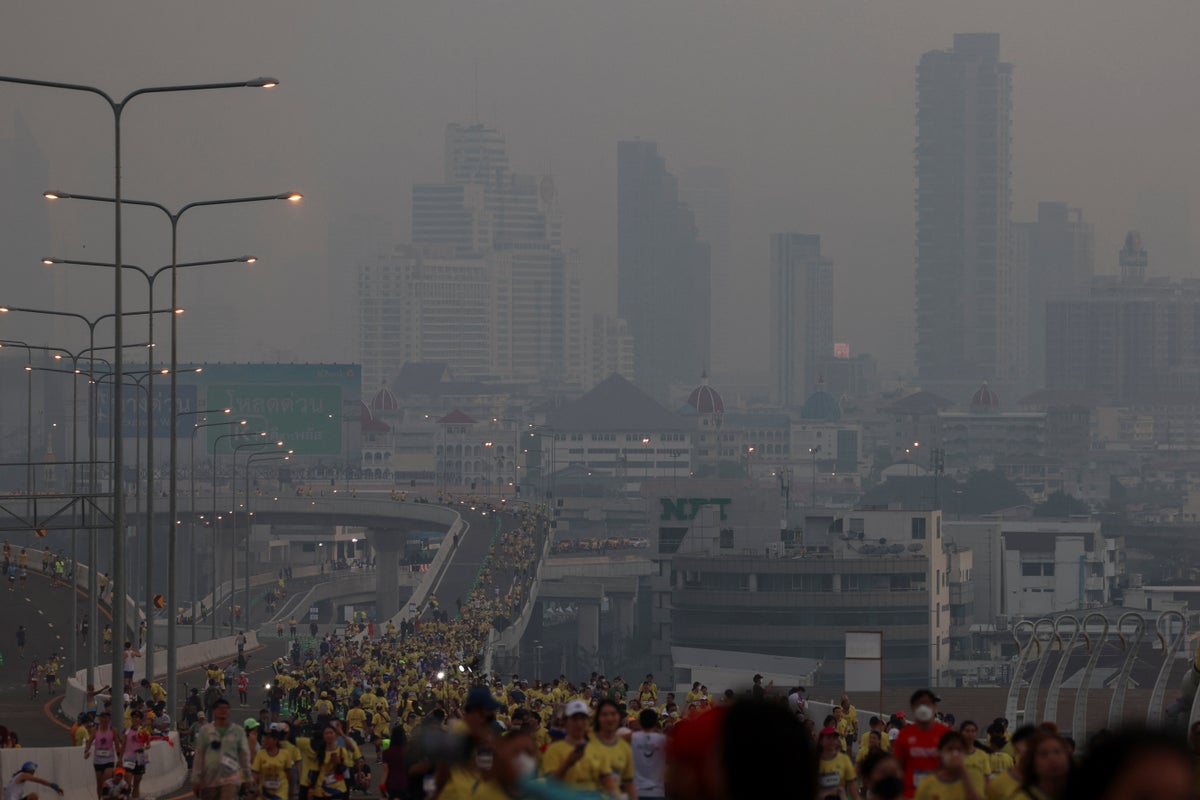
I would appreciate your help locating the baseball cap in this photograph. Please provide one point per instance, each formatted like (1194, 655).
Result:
(920, 693)
(251, 724)
(118, 771)
(576, 707)
(481, 697)
(29, 766)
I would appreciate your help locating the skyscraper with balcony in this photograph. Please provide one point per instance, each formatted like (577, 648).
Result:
(663, 273)
(966, 294)
(801, 315)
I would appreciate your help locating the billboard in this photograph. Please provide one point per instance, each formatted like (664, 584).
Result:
(304, 405)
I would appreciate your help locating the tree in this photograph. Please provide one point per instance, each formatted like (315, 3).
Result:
(1061, 504)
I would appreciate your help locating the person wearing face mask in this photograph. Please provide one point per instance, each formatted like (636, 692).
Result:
(882, 776)
(916, 745)
(952, 780)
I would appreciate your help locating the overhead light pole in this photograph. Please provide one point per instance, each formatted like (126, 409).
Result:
(216, 443)
(173, 217)
(151, 277)
(233, 542)
(117, 107)
(93, 477)
(193, 584)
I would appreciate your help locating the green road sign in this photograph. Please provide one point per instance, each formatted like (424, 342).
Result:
(307, 418)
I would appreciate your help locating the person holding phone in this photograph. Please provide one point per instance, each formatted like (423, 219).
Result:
(571, 761)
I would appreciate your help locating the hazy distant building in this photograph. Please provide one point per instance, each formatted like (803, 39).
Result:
(416, 306)
(1130, 336)
(801, 316)
(511, 224)
(707, 192)
(663, 272)
(1059, 251)
(610, 349)
(963, 169)
(474, 154)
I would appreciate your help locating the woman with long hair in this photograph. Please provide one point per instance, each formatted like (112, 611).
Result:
(606, 740)
(394, 783)
(1045, 767)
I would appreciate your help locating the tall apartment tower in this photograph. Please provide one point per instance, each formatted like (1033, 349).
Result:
(511, 224)
(1059, 251)
(707, 192)
(663, 273)
(965, 289)
(801, 315)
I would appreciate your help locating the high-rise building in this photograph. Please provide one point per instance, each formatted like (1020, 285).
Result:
(1132, 335)
(424, 306)
(663, 273)
(511, 224)
(963, 168)
(707, 192)
(1059, 252)
(610, 349)
(801, 315)
(474, 154)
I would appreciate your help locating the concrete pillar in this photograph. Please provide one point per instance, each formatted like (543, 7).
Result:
(623, 615)
(389, 546)
(752, 584)
(589, 627)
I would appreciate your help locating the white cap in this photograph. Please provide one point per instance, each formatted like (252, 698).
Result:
(577, 707)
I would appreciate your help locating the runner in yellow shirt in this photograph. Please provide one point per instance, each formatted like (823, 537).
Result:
(271, 767)
(569, 759)
(952, 780)
(1007, 783)
(835, 771)
(976, 759)
(615, 749)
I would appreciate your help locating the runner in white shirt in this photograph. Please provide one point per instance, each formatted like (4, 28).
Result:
(19, 785)
(649, 759)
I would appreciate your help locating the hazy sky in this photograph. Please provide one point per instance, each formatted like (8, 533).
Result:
(809, 106)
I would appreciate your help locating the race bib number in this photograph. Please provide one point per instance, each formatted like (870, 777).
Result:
(129, 763)
(830, 780)
(271, 783)
(104, 754)
(229, 763)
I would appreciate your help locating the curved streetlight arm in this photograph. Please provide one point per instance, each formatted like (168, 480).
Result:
(174, 216)
(147, 274)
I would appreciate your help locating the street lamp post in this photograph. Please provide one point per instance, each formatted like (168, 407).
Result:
(193, 588)
(173, 490)
(812, 496)
(252, 458)
(28, 414)
(213, 521)
(233, 530)
(91, 324)
(117, 107)
(151, 277)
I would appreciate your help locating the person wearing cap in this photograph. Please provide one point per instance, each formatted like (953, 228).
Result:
(221, 765)
(835, 771)
(251, 726)
(133, 750)
(916, 745)
(571, 761)
(16, 788)
(117, 786)
(272, 765)
(324, 706)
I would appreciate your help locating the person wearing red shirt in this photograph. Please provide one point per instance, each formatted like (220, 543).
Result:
(917, 744)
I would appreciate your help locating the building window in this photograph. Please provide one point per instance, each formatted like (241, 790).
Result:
(918, 527)
(726, 538)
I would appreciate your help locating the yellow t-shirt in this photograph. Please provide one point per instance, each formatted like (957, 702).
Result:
(980, 763)
(587, 773)
(1001, 762)
(619, 755)
(328, 783)
(1003, 786)
(932, 787)
(356, 719)
(466, 783)
(833, 774)
(271, 773)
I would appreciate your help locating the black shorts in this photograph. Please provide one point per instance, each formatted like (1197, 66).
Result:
(102, 767)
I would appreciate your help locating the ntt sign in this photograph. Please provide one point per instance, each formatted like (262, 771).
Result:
(684, 509)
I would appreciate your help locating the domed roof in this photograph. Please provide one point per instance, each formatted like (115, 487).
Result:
(705, 399)
(985, 399)
(384, 400)
(821, 406)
